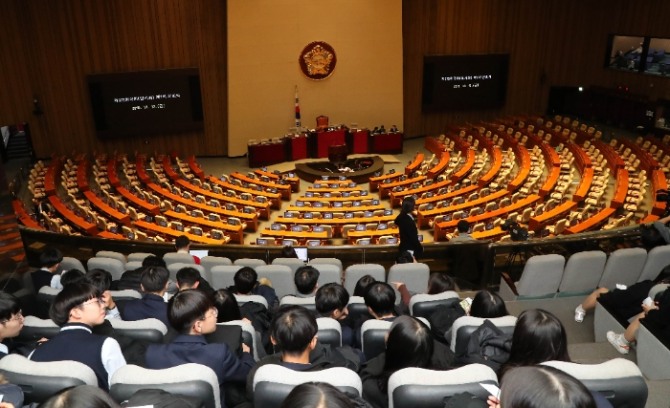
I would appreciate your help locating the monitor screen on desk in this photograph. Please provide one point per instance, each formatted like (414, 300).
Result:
(200, 253)
(301, 253)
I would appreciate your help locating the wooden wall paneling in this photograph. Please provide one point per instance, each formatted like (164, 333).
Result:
(71, 38)
(15, 82)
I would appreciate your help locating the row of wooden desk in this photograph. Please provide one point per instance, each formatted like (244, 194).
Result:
(236, 232)
(426, 215)
(149, 226)
(440, 229)
(250, 219)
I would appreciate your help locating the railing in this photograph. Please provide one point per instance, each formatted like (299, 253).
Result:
(473, 264)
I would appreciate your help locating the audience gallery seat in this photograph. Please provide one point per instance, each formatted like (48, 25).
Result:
(194, 380)
(280, 276)
(423, 304)
(582, 273)
(330, 331)
(114, 266)
(272, 383)
(623, 266)
(354, 272)
(40, 380)
(540, 278)
(178, 257)
(420, 387)
(619, 380)
(373, 336)
(657, 259)
(464, 326)
(414, 275)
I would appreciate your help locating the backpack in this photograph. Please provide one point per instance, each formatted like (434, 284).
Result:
(488, 345)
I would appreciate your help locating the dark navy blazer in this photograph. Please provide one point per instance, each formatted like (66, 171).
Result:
(149, 306)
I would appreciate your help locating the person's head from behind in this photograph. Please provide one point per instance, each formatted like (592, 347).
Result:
(463, 226)
(81, 396)
(226, 304)
(11, 316)
(331, 301)
(293, 330)
(408, 204)
(71, 276)
(50, 258)
(543, 387)
(404, 257)
(380, 300)
(305, 279)
(188, 278)
(79, 302)
(288, 252)
(192, 312)
(440, 282)
(363, 285)
(317, 395)
(154, 280)
(538, 337)
(245, 280)
(487, 304)
(182, 243)
(409, 344)
(153, 260)
(102, 280)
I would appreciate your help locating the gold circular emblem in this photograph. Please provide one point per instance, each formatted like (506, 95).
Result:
(317, 60)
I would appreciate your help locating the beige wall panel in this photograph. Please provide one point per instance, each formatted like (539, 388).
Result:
(265, 38)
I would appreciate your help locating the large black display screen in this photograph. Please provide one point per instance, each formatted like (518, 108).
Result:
(146, 102)
(452, 82)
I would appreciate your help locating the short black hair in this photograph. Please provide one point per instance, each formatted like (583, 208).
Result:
(154, 278)
(188, 276)
(463, 226)
(99, 278)
(305, 279)
(330, 297)
(439, 282)
(315, 394)
(182, 241)
(488, 305)
(186, 307)
(363, 285)
(288, 252)
(404, 257)
(50, 257)
(70, 297)
(226, 304)
(71, 276)
(153, 260)
(245, 280)
(380, 297)
(408, 204)
(293, 328)
(9, 306)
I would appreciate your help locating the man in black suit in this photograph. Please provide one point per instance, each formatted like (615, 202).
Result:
(409, 235)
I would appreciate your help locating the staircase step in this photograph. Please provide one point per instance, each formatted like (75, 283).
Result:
(11, 247)
(9, 236)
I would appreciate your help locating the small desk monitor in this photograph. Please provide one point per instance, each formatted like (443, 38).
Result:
(302, 253)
